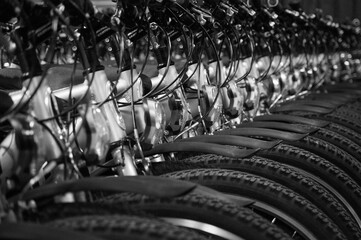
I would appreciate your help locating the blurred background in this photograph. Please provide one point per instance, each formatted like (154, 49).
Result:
(339, 9)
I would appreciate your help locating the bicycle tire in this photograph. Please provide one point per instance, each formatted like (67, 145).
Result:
(125, 227)
(356, 106)
(306, 218)
(237, 222)
(335, 206)
(50, 211)
(331, 117)
(337, 118)
(346, 132)
(350, 113)
(331, 153)
(339, 141)
(321, 170)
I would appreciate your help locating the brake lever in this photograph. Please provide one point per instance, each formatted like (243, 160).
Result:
(202, 15)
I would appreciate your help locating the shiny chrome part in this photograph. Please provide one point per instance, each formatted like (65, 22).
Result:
(100, 90)
(232, 100)
(209, 106)
(156, 158)
(165, 78)
(262, 65)
(41, 106)
(76, 91)
(124, 159)
(79, 90)
(154, 122)
(198, 76)
(204, 227)
(251, 103)
(124, 82)
(243, 66)
(177, 111)
(212, 107)
(216, 73)
(98, 138)
(150, 118)
(9, 156)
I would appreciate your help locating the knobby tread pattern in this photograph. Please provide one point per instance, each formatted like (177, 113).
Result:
(240, 221)
(318, 167)
(50, 212)
(332, 117)
(355, 106)
(347, 122)
(349, 113)
(331, 153)
(287, 176)
(339, 141)
(126, 227)
(346, 132)
(267, 191)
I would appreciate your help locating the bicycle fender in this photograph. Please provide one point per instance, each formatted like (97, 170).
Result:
(200, 147)
(148, 185)
(303, 129)
(292, 119)
(317, 103)
(30, 231)
(233, 140)
(300, 107)
(344, 89)
(263, 132)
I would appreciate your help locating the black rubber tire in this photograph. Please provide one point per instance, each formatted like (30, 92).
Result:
(51, 211)
(331, 117)
(328, 135)
(292, 178)
(321, 170)
(335, 118)
(346, 132)
(342, 130)
(125, 227)
(339, 141)
(349, 113)
(355, 106)
(271, 198)
(348, 109)
(330, 152)
(239, 221)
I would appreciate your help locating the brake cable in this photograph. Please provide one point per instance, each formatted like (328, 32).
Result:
(252, 50)
(213, 47)
(265, 73)
(80, 47)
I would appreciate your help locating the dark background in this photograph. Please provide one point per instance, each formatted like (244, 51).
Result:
(339, 9)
